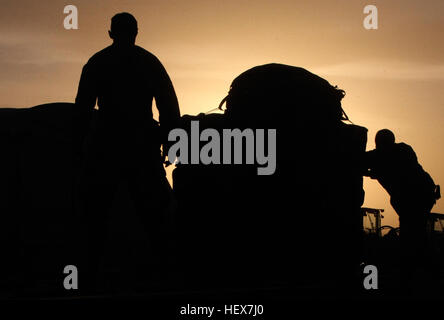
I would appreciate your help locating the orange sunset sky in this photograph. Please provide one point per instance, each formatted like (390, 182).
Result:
(393, 76)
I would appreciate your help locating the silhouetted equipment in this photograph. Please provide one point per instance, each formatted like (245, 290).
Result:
(437, 224)
(252, 93)
(436, 235)
(40, 229)
(36, 195)
(373, 216)
(296, 225)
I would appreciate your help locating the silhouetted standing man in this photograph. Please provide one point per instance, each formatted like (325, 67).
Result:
(411, 190)
(124, 78)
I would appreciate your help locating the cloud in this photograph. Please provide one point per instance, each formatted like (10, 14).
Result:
(384, 70)
(26, 60)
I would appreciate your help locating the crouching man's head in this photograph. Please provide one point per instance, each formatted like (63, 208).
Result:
(384, 139)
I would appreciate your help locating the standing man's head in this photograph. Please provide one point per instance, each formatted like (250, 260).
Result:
(384, 139)
(123, 29)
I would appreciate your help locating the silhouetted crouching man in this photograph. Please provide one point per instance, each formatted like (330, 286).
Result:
(411, 190)
(124, 78)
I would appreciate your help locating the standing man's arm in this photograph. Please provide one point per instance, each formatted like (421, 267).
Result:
(85, 101)
(166, 100)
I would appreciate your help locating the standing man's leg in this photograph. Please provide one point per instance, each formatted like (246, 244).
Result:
(97, 191)
(152, 197)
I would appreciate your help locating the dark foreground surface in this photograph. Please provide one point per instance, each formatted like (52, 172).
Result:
(291, 255)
